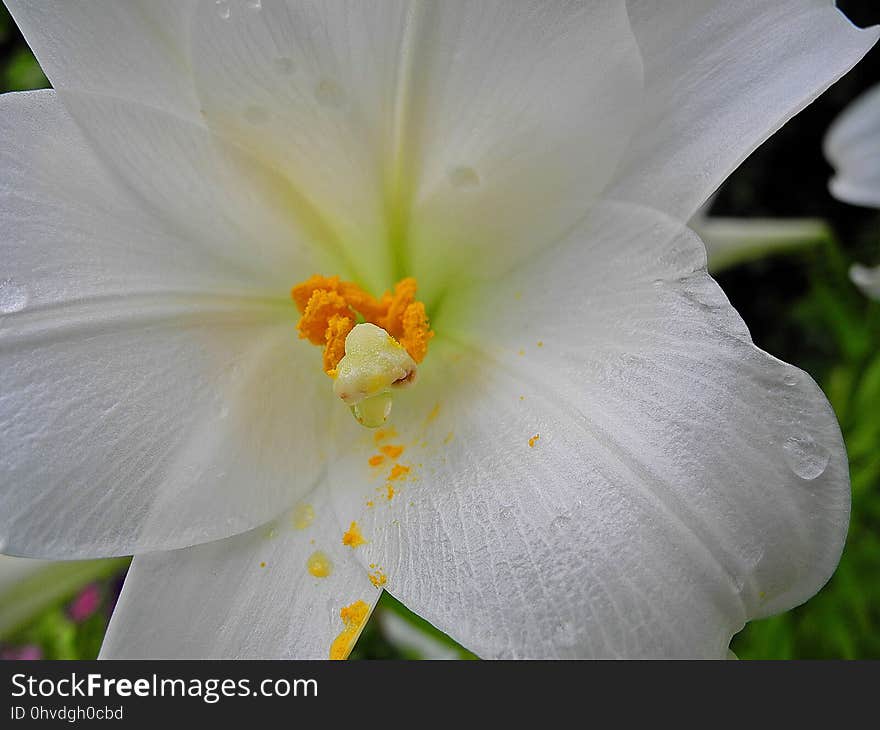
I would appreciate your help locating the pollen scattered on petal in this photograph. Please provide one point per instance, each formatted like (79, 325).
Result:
(353, 619)
(540, 343)
(391, 451)
(433, 414)
(398, 471)
(384, 433)
(533, 440)
(378, 578)
(376, 460)
(319, 564)
(389, 492)
(353, 536)
(263, 565)
(303, 516)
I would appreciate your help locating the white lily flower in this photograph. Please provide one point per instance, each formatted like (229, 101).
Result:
(594, 460)
(852, 146)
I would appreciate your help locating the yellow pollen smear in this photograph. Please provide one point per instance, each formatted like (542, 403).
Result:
(319, 564)
(353, 619)
(303, 516)
(353, 536)
(389, 492)
(392, 452)
(376, 460)
(378, 579)
(533, 440)
(384, 433)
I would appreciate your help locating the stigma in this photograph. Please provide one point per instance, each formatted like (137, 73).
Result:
(371, 346)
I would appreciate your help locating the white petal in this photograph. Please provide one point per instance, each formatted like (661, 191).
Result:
(682, 482)
(720, 78)
(229, 209)
(149, 386)
(852, 146)
(309, 89)
(134, 50)
(246, 597)
(866, 279)
(520, 115)
(413, 128)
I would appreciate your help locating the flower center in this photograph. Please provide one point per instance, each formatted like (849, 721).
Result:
(371, 346)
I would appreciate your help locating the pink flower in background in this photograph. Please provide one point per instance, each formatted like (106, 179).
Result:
(87, 601)
(28, 652)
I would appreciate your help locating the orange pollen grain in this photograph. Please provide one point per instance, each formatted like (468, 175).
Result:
(533, 440)
(329, 310)
(376, 460)
(397, 471)
(353, 536)
(389, 492)
(392, 452)
(378, 579)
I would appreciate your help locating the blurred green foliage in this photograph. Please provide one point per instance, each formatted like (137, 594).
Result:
(801, 307)
(19, 70)
(843, 620)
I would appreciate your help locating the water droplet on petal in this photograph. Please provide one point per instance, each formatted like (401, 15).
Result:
(13, 297)
(256, 114)
(284, 65)
(223, 9)
(790, 379)
(806, 458)
(464, 178)
(329, 93)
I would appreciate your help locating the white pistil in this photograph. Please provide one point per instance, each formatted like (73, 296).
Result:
(373, 365)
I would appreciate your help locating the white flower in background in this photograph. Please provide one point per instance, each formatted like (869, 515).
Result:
(852, 146)
(733, 241)
(594, 460)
